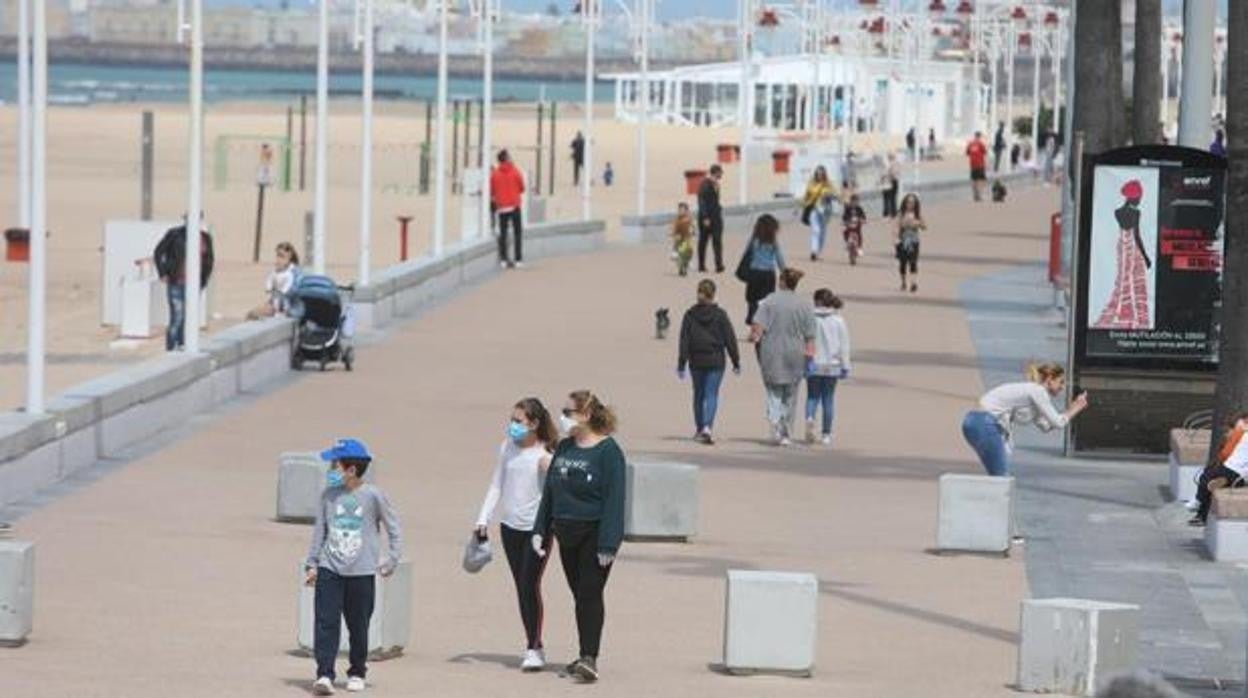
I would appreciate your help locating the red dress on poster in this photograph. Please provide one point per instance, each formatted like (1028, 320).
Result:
(1128, 306)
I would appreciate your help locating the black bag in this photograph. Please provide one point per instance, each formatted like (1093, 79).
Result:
(806, 214)
(743, 267)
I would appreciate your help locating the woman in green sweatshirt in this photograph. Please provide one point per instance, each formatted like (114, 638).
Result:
(583, 506)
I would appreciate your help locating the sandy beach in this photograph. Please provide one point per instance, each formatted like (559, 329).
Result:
(94, 174)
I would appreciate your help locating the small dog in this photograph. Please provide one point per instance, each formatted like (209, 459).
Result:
(661, 323)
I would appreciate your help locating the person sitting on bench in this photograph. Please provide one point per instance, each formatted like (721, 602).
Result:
(1227, 470)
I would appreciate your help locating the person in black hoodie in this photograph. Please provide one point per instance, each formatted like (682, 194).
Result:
(170, 260)
(705, 334)
(583, 506)
(711, 220)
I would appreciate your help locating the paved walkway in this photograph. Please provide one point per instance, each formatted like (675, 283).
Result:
(167, 575)
(1103, 529)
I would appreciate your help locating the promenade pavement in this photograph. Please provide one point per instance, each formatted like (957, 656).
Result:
(167, 576)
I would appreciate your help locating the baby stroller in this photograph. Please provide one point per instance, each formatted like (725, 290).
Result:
(324, 324)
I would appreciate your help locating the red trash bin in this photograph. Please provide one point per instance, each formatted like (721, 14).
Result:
(780, 161)
(17, 245)
(693, 180)
(727, 153)
(1055, 247)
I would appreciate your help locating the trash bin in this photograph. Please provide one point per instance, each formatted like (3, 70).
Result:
(780, 161)
(17, 245)
(693, 180)
(727, 153)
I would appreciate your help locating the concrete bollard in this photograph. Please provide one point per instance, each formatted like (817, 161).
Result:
(976, 513)
(300, 482)
(1226, 531)
(662, 501)
(1189, 449)
(17, 591)
(1073, 646)
(771, 622)
(390, 627)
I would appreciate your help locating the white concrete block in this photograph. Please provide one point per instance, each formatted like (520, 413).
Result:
(300, 482)
(389, 629)
(771, 622)
(1183, 478)
(1073, 646)
(976, 513)
(1226, 539)
(17, 591)
(662, 501)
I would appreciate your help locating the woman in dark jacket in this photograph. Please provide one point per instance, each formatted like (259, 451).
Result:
(705, 334)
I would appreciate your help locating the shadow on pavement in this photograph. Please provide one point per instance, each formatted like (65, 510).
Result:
(817, 462)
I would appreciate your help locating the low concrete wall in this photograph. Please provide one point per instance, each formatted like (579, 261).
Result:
(104, 416)
(405, 288)
(655, 227)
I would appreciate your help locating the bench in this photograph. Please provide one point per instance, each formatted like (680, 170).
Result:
(1226, 530)
(1189, 451)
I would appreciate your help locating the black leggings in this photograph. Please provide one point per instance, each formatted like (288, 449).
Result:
(510, 221)
(578, 551)
(1204, 495)
(908, 258)
(759, 285)
(526, 571)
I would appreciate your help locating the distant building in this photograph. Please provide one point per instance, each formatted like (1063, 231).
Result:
(59, 23)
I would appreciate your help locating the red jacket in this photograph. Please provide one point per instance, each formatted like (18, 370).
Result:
(506, 186)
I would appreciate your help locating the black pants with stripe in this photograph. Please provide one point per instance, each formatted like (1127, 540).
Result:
(526, 571)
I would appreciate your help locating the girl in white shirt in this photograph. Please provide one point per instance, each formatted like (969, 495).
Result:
(989, 429)
(515, 493)
(279, 282)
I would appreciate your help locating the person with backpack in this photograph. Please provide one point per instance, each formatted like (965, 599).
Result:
(760, 263)
(170, 261)
(706, 334)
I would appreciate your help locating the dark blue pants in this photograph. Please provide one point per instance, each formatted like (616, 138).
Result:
(339, 598)
(706, 383)
(175, 332)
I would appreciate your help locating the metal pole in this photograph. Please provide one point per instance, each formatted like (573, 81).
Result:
(1011, 55)
(366, 151)
(149, 157)
(194, 207)
(1196, 107)
(439, 188)
(1035, 97)
(589, 11)
(977, 76)
(643, 16)
(487, 117)
(322, 141)
(1057, 72)
(745, 94)
(286, 154)
(1165, 85)
(554, 134)
(537, 159)
(467, 133)
(38, 215)
(455, 147)
(23, 113)
(303, 141)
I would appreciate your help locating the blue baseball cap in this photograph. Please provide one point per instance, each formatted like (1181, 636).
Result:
(344, 449)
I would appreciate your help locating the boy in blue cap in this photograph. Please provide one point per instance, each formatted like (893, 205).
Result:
(344, 558)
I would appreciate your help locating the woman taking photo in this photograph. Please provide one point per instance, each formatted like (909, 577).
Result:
(906, 239)
(816, 210)
(760, 263)
(515, 493)
(990, 429)
(583, 507)
(706, 334)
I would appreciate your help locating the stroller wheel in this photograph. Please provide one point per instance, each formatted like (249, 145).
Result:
(348, 358)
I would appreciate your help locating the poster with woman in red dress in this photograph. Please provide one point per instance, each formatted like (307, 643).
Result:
(1122, 283)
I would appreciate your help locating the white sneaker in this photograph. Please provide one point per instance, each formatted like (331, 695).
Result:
(810, 431)
(784, 441)
(323, 687)
(534, 660)
(502, 264)
(355, 684)
(826, 440)
(519, 265)
(1192, 505)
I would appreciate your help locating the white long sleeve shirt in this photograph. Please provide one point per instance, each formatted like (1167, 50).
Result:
(515, 491)
(831, 343)
(1022, 403)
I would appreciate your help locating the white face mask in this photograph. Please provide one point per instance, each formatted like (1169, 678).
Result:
(567, 424)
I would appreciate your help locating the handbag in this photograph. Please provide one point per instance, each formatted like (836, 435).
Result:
(806, 211)
(743, 267)
(477, 554)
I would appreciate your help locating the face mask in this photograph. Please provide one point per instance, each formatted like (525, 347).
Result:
(335, 478)
(567, 424)
(517, 432)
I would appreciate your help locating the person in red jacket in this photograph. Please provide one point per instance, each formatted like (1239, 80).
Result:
(977, 154)
(506, 189)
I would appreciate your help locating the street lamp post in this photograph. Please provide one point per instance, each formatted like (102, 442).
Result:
(194, 208)
(643, 17)
(591, 11)
(322, 137)
(23, 113)
(439, 182)
(38, 215)
(489, 10)
(745, 93)
(366, 140)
